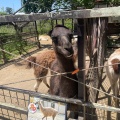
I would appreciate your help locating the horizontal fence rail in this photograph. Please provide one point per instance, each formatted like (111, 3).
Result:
(61, 99)
(84, 13)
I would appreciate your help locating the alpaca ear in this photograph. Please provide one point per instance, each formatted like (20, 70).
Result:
(30, 64)
(71, 36)
(50, 32)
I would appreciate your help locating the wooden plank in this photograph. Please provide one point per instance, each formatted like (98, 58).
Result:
(97, 12)
(25, 18)
(85, 13)
(13, 108)
(81, 65)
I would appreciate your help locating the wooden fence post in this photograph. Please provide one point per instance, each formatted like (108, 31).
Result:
(37, 35)
(81, 65)
(62, 21)
(3, 53)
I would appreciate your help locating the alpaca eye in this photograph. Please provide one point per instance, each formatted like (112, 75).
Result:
(70, 36)
(54, 39)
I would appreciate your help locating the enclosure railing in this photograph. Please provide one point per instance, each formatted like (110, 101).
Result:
(14, 103)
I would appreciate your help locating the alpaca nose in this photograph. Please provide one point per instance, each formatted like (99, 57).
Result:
(69, 49)
(67, 45)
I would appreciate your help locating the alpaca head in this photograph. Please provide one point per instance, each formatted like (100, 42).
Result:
(39, 102)
(61, 40)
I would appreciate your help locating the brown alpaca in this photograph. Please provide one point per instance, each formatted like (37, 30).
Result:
(44, 59)
(64, 62)
(60, 85)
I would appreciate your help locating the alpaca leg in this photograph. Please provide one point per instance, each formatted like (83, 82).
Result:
(53, 117)
(36, 86)
(116, 94)
(115, 91)
(113, 87)
(45, 82)
(43, 117)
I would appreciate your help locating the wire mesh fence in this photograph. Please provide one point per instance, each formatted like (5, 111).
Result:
(13, 104)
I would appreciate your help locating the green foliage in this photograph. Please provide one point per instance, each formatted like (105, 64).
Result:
(7, 29)
(61, 4)
(50, 5)
(9, 10)
(45, 26)
(44, 5)
(14, 45)
(3, 13)
(37, 5)
(30, 7)
(12, 42)
(111, 42)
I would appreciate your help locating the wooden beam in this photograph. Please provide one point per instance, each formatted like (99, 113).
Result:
(81, 65)
(25, 18)
(85, 13)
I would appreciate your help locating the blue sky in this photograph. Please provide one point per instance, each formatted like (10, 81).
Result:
(15, 4)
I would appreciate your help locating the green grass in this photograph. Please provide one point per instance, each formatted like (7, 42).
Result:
(7, 29)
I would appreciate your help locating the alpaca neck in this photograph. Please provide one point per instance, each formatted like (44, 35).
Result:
(41, 106)
(64, 63)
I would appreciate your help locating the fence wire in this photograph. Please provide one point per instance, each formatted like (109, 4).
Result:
(66, 76)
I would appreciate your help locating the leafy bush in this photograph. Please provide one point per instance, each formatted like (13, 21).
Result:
(12, 42)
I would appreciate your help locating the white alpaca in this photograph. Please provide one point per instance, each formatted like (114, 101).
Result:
(47, 111)
(113, 73)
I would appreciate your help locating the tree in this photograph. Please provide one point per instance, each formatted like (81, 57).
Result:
(9, 10)
(37, 5)
(61, 4)
(44, 5)
(50, 5)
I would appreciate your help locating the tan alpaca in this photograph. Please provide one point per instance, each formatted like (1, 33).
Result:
(47, 111)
